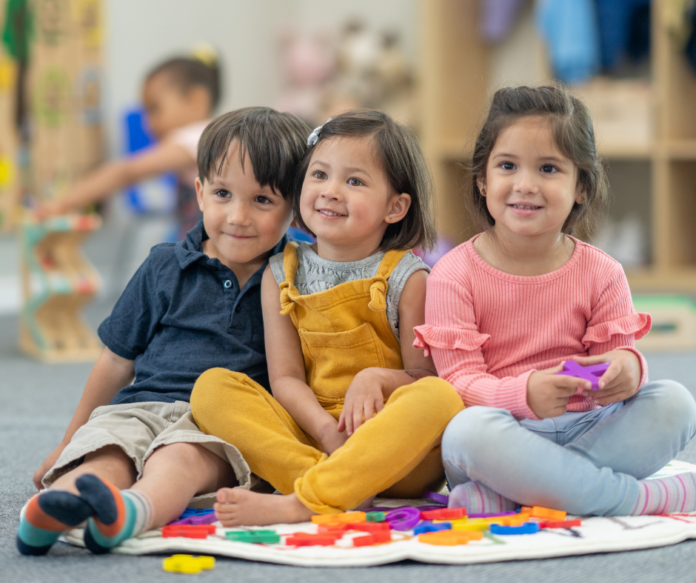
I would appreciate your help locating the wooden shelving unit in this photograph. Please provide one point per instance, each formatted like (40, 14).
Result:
(64, 86)
(9, 183)
(455, 81)
(57, 281)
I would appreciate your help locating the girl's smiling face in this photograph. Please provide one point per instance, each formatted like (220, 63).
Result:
(346, 199)
(530, 186)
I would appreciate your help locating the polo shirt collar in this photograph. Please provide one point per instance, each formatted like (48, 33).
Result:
(191, 248)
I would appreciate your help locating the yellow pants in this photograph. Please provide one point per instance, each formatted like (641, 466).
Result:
(396, 453)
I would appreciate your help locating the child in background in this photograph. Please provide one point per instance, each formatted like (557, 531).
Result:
(132, 458)
(356, 410)
(179, 96)
(506, 308)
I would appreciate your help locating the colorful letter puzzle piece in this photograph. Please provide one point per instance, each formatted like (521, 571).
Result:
(333, 528)
(547, 513)
(195, 516)
(443, 514)
(450, 538)
(435, 497)
(526, 528)
(590, 373)
(478, 524)
(375, 516)
(492, 514)
(188, 530)
(372, 539)
(266, 537)
(304, 539)
(370, 526)
(403, 518)
(187, 564)
(424, 527)
(344, 518)
(516, 520)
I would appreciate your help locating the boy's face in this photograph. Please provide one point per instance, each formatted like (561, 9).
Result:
(244, 220)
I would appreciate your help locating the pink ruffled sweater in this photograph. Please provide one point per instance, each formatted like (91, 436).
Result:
(488, 330)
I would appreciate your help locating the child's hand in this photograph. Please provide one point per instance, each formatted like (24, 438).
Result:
(548, 393)
(620, 381)
(48, 463)
(47, 209)
(363, 399)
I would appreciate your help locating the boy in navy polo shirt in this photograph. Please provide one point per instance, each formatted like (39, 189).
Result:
(132, 457)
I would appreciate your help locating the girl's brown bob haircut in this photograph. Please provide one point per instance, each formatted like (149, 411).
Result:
(574, 136)
(274, 142)
(404, 165)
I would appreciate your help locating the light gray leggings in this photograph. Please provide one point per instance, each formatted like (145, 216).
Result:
(584, 463)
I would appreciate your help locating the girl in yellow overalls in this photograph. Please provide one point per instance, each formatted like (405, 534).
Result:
(356, 409)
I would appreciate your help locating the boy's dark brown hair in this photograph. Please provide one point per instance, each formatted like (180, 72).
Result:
(404, 165)
(574, 136)
(188, 72)
(274, 142)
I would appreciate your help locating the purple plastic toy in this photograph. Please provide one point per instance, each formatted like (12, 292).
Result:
(403, 518)
(590, 373)
(491, 514)
(193, 516)
(435, 497)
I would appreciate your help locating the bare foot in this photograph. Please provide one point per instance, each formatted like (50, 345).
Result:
(239, 507)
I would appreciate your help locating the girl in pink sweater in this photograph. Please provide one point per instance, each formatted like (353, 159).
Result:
(505, 310)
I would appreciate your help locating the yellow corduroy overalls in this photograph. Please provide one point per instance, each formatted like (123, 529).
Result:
(343, 330)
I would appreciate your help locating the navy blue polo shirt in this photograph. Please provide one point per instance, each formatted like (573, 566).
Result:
(182, 314)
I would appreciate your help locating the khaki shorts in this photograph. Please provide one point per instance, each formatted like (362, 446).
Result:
(139, 429)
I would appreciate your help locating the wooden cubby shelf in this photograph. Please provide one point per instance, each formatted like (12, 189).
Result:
(57, 281)
(652, 164)
(62, 79)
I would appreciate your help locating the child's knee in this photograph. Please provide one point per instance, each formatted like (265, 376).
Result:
(446, 395)
(209, 386)
(470, 432)
(186, 454)
(673, 406)
(436, 396)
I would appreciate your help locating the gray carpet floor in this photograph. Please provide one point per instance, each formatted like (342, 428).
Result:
(36, 404)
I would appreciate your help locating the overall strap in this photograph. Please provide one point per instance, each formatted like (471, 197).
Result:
(378, 289)
(290, 263)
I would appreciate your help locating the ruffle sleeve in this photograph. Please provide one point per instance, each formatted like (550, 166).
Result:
(636, 324)
(451, 338)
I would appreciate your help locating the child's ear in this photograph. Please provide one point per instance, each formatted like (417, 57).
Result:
(481, 183)
(199, 192)
(398, 207)
(580, 195)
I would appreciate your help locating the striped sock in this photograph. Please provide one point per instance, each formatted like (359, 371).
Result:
(47, 516)
(118, 515)
(666, 495)
(477, 498)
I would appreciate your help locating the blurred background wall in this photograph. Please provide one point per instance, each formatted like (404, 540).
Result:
(247, 35)
(433, 64)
